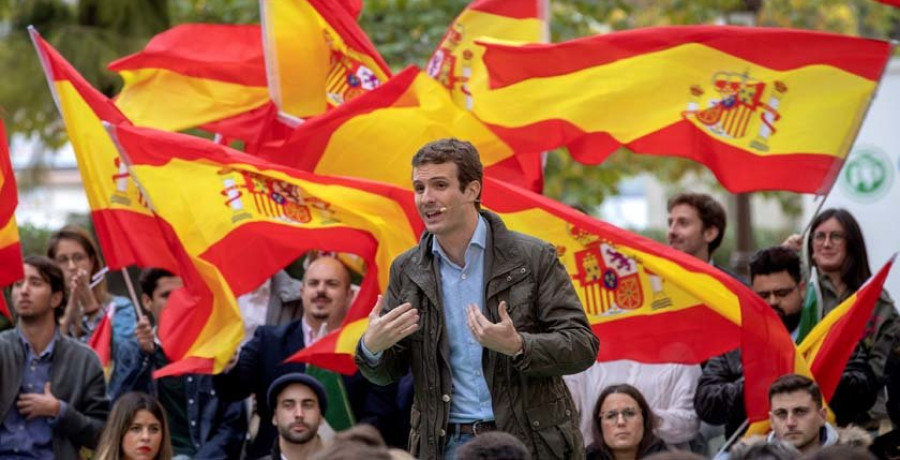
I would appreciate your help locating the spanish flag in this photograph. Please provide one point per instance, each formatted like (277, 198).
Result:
(317, 56)
(453, 60)
(125, 227)
(375, 136)
(10, 249)
(193, 74)
(764, 109)
(233, 220)
(647, 302)
(831, 343)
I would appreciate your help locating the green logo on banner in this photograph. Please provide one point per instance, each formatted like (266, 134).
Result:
(868, 175)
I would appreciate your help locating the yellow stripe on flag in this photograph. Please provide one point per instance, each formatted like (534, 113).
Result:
(430, 115)
(104, 176)
(147, 91)
(9, 233)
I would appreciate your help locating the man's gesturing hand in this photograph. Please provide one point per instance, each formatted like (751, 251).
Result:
(384, 331)
(501, 337)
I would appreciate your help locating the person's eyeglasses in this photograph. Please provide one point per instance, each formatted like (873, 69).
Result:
(797, 412)
(778, 293)
(612, 416)
(836, 237)
(76, 258)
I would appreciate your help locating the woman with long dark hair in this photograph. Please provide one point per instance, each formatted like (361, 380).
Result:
(838, 251)
(136, 430)
(623, 426)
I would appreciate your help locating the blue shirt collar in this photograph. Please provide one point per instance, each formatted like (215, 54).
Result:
(47, 351)
(479, 239)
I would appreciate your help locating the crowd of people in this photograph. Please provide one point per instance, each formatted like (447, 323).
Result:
(478, 349)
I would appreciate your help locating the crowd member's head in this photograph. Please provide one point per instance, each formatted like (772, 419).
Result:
(696, 224)
(447, 180)
(298, 403)
(775, 276)
(136, 429)
(675, 455)
(41, 295)
(360, 441)
(797, 413)
(494, 445)
(74, 250)
(623, 422)
(326, 291)
(841, 452)
(156, 286)
(762, 450)
(837, 247)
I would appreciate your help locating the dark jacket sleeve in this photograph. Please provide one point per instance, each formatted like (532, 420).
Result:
(394, 362)
(135, 370)
(720, 392)
(565, 344)
(857, 390)
(227, 441)
(238, 383)
(892, 382)
(84, 419)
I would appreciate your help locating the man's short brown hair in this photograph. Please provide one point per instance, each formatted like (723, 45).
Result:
(711, 213)
(461, 153)
(790, 383)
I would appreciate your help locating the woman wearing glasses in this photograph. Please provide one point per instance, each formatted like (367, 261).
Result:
(623, 426)
(838, 252)
(76, 254)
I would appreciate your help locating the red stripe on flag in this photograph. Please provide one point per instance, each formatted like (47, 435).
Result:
(518, 9)
(229, 53)
(192, 365)
(777, 49)
(129, 238)
(101, 340)
(322, 354)
(11, 264)
(654, 343)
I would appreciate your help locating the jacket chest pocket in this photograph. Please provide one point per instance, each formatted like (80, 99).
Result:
(518, 291)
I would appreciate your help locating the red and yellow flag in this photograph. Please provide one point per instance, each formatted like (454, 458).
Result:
(234, 220)
(375, 136)
(125, 227)
(764, 109)
(831, 343)
(646, 301)
(10, 249)
(453, 60)
(317, 56)
(193, 74)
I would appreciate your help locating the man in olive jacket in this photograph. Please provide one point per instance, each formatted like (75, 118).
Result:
(53, 396)
(487, 318)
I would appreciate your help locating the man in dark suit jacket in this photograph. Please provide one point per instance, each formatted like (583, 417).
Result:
(52, 393)
(326, 296)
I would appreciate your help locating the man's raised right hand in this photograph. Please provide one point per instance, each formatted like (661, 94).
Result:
(386, 330)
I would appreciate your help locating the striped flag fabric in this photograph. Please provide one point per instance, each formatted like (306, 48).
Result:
(317, 56)
(755, 105)
(514, 20)
(193, 74)
(375, 135)
(11, 262)
(125, 227)
(101, 338)
(831, 343)
(257, 217)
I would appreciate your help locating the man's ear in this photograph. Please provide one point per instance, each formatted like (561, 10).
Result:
(145, 301)
(710, 233)
(56, 299)
(474, 188)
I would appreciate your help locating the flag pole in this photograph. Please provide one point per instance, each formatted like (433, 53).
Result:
(734, 437)
(134, 300)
